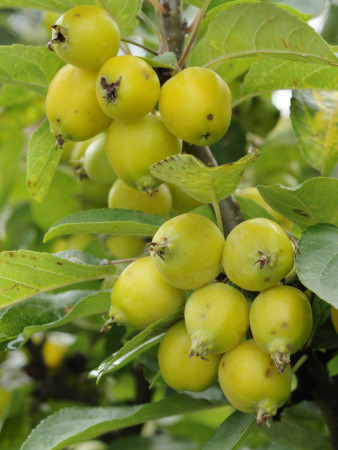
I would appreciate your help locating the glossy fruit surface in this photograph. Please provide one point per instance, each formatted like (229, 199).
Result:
(334, 317)
(132, 146)
(251, 382)
(141, 296)
(71, 105)
(281, 322)
(95, 162)
(195, 105)
(182, 202)
(123, 196)
(217, 318)
(125, 246)
(187, 251)
(253, 194)
(257, 254)
(86, 36)
(127, 87)
(179, 371)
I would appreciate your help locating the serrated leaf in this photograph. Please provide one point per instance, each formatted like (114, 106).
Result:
(264, 29)
(147, 338)
(26, 273)
(231, 431)
(250, 209)
(107, 221)
(28, 67)
(42, 158)
(314, 116)
(314, 201)
(199, 180)
(317, 264)
(46, 311)
(270, 74)
(72, 425)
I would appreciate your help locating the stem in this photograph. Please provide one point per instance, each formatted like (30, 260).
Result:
(129, 41)
(197, 22)
(159, 7)
(151, 25)
(217, 210)
(172, 28)
(299, 363)
(106, 262)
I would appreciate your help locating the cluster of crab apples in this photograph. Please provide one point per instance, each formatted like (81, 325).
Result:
(118, 103)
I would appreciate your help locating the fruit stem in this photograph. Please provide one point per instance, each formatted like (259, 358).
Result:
(137, 44)
(299, 363)
(197, 21)
(215, 204)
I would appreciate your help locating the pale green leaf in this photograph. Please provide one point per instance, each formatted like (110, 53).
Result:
(107, 221)
(199, 180)
(72, 425)
(231, 431)
(42, 158)
(314, 201)
(314, 116)
(270, 74)
(264, 29)
(317, 263)
(49, 5)
(147, 338)
(46, 311)
(13, 95)
(28, 67)
(26, 273)
(125, 13)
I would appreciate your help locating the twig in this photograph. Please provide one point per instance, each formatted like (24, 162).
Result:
(129, 41)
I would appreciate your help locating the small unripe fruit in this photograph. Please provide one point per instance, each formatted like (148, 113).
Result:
(71, 106)
(124, 246)
(257, 254)
(251, 382)
(86, 36)
(179, 371)
(141, 296)
(95, 162)
(127, 87)
(195, 105)
(123, 196)
(217, 318)
(187, 251)
(281, 322)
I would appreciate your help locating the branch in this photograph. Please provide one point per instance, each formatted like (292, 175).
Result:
(172, 28)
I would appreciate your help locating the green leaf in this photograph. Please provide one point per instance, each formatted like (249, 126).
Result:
(264, 29)
(199, 180)
(46, 311)
(314, 201)
(50, 5)
(12, 144)
(166, 60)
(231, 431)
(320, 310)
(269, 74)
(42, 158)
(250, 209)
(73, 425)
(28, 67)
(314, 116)
(107, 221)
(317, 264)
(26, 273)
(12, 95)
(147, 338)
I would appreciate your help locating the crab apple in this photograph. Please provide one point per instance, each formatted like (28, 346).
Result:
(142, 296)
(178, 370)
(132, 146)
(85, 36)
(251, 382)
(217, 318)
(123, 196)
(95, 162)
(187, 251)
(127, 87)
(71, 106)
(281, 322)
(257, 254)
(195, 105)
(124, 246)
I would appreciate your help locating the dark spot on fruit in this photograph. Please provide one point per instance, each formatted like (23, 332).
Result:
(77, 15)
(223, 364)
(146, 75)
(207, 305)
(202, 316)
(266, 279)
(58, 120)
(284, 325)
(59, 263)
(210, 116)
(273, 332)
(268, 373)
(75, 110)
